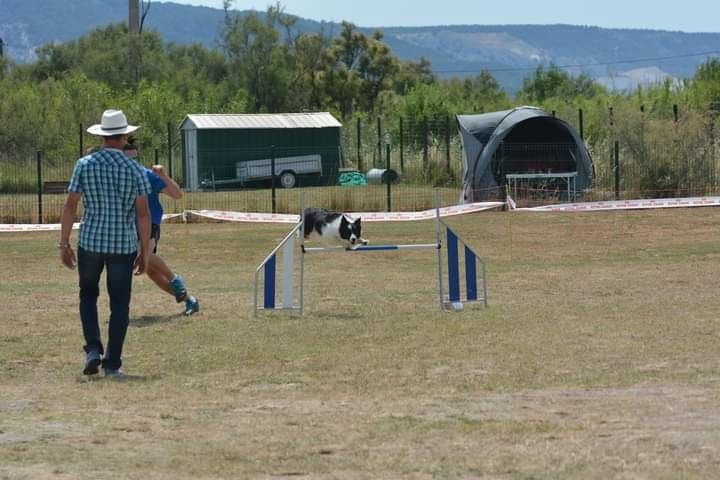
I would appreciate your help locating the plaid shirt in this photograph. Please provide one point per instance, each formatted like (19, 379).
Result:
(109, 182)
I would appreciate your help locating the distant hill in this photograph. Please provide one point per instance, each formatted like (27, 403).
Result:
(618, 58)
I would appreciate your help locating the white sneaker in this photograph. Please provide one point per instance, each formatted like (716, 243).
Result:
(114, 373)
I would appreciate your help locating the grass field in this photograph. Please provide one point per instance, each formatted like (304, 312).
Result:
(597, 358)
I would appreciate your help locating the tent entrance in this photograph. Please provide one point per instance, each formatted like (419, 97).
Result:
(537, 170)
(555, 185)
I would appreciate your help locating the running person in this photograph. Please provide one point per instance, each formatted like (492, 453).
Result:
(158, 270)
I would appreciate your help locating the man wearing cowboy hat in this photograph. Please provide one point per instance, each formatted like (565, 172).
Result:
(115, 192)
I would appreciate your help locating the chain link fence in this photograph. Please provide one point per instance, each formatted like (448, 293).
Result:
(381, 164)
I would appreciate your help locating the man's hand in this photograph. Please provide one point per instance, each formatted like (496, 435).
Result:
(158, 170)
(67, 257)
(171, 188)
(141, 263)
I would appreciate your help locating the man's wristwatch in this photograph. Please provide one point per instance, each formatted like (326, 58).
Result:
(63, 245)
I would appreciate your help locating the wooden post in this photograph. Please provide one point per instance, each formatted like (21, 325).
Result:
(134, 40)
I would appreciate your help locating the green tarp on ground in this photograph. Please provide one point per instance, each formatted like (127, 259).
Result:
(352, 179)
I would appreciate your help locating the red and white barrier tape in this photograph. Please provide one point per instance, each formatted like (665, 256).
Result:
(425, 214)
(412, 216)
(28, 227)
(245, 216)
(366, 216)
(46, 227)
(623, 205)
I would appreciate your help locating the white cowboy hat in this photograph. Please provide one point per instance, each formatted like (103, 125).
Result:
(113, 122)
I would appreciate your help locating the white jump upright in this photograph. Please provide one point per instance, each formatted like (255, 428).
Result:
(452, 299)
(268, 268)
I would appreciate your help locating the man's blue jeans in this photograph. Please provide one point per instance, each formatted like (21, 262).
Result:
(119, 286)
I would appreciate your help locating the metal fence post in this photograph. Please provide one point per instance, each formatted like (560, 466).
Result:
(80, 143)
(272, 176)
(447, 145)
(170, 155)
(425, 142)
(359, 146)
(402, 160)
(387, 170)
(379, 142)
(580, 122)
(39, 185)
(616, 169)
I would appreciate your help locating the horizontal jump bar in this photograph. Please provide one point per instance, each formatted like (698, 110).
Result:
(373, 248)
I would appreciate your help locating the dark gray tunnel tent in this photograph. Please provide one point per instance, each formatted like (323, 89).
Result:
(523, 142)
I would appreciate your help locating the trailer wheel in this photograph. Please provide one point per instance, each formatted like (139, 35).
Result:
(288, 179)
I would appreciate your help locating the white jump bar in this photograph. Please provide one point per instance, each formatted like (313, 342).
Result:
(373, 248)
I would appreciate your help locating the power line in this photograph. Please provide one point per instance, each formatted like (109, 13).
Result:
(581, 65)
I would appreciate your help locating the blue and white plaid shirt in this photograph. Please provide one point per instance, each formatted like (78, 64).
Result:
(109, 182)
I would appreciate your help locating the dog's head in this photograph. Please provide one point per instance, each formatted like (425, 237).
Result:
(351, 230)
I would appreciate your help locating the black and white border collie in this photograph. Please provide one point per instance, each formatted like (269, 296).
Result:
(332, 227)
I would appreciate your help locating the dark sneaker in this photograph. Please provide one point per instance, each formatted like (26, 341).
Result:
(114, 373)
(92, 363)
(192, 306)
(178, 287)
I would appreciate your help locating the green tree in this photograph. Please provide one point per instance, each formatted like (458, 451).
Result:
(430, 101)
(102, 55)
(704, 88)
(306, 89)
(201, 77)
(412, 73)
(46, 115)
(356, 70)
(552, 82)
(339, 76)
(480, 93)
(258, 60)
(377, 67)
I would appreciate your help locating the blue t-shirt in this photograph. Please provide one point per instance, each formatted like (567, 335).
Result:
(157, 184)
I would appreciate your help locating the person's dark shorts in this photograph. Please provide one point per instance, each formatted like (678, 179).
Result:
(155, 234)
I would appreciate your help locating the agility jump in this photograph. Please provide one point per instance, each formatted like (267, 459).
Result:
(452, 299)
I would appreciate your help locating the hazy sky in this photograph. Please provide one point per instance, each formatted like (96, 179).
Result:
(685, 15)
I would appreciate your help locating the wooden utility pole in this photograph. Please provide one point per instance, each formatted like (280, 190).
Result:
(134, 43)
(134, 16)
